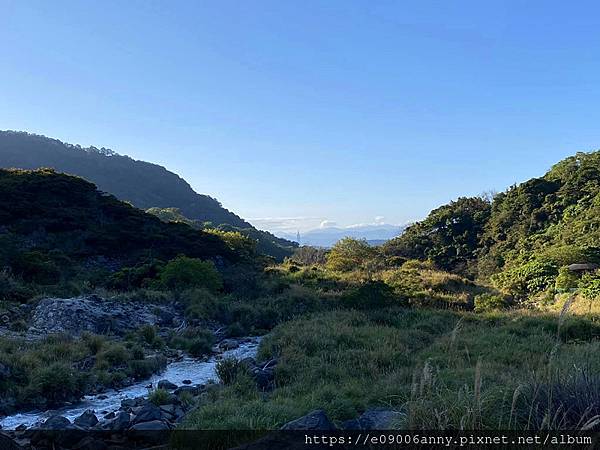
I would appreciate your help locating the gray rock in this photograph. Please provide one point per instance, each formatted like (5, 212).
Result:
(314, 420)
(375, 419)
(166, 385)
(153, 425)
(87, 420)
(90, 443)
(147, 413)
(194, 390)
(93, 314)
(120, 422)
(187, 382)
(110, 415)
(7, 443)
(56, 423)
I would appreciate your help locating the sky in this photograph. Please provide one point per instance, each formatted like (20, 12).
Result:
(300, 113)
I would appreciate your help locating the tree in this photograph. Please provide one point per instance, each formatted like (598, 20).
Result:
(349, 254)
(184, 273)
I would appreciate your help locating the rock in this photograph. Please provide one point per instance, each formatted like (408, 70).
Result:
(166, 385)
(153, 425)
(90, 443)
(186, 382)
(21, 427)
(374, 419)
(110, 415)
(194, 390)
(315, 420)
(102, 397)
(147, 413)
(120, 423)
(87, 420)
(7, 443)
(56, 423)
(149, 386)
(228, 344)
(94, 314)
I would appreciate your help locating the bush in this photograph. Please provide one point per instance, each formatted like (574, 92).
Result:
(566, 280)
(349, 254)
(489, 302)
(159, 397)
(143, 368)
(57, 383)
(229, 369)
(93, 342)
(113, 355)
(526, 279)
(590, 286)
(184, 273)
(372, 294)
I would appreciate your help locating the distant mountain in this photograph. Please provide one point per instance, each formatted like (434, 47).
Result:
(143, 184)
(375, 234)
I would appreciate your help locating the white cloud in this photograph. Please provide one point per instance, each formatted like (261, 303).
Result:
(327, 224)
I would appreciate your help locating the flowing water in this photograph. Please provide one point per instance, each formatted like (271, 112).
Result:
(198, 372)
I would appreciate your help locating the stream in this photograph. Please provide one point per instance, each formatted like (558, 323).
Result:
(198, 372)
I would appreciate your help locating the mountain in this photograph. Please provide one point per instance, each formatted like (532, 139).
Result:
(266, 243)
(523, 238)
(143, 184)
(327, 236)
(55, 228)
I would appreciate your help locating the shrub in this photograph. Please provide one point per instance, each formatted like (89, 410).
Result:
(56, 383)
(590, 286)
(349, 254)
(529, 278)
(183, 273)
(143, 368)
(93, 342)
(113, 355)
(228, 370)
(566, 280)
(489, 302)
(372, 294)
(159, 397)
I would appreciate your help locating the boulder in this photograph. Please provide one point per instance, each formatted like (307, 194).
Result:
(7, 443)
(56, 423)
(90, 443)
(93, 314)
(152, 425)
(186, 382)
(87, 420)
(314, 420)
(148, 413)
(120, 423)
(374, 419)
(166, 385)
(194, 390)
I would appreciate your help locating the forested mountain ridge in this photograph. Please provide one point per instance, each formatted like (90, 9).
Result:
(521, 238)
(58, 229)
(144, 185)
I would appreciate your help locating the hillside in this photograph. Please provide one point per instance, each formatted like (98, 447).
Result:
(123, 176)
(522, 237)
(56, 228)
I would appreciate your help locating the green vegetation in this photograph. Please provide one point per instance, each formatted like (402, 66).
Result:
(444, 369)
(61, 369)
(474, 318)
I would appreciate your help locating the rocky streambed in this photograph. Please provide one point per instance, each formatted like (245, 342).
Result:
(128, 408)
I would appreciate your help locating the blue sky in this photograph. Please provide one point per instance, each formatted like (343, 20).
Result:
(297, 112)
